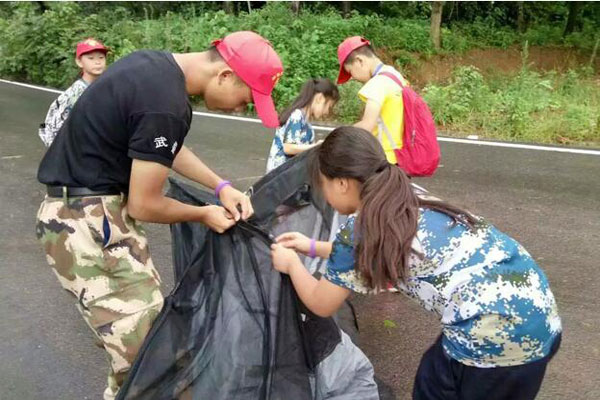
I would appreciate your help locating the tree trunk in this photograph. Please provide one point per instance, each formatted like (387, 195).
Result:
(436, 22)
(593, 57)
(228, 7)
(574, 7)
(346, 7)
(452, 5)
(295, 7)
(521, 17)
(43, 7)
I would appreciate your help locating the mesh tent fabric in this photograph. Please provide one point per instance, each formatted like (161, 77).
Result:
(233, 327)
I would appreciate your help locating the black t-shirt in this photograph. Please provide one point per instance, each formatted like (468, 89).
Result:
(137, 109)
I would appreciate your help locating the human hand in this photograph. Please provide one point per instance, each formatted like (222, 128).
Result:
(295, 241)
(231, 198)
(217, 218)
(283, 258)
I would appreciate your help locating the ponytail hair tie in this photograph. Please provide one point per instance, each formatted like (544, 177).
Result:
(383, 167)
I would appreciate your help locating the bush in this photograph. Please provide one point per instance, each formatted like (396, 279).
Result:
(531, 107)
(39, 46)
(466, 94)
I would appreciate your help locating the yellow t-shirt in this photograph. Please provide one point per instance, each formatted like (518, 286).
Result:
(384, 91)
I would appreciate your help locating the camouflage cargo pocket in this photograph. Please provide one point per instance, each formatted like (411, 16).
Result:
(109, 270)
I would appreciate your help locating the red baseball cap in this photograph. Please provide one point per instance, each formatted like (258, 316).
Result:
(89, 45)
(344, 49)
(253, 59)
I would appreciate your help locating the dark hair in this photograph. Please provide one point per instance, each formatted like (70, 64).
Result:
(214, 55)
(307, 93)
(387, 222)
(366, 50)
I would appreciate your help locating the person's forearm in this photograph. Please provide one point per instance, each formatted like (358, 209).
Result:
(165, 210)
(305, 285)
(315, 294)
(366, 125)
(323, 249)
(189, 165)
(370, 116)
(293, 149)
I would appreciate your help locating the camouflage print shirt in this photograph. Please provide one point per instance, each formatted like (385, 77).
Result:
(59, 111)
(297, 130)
(495, 305)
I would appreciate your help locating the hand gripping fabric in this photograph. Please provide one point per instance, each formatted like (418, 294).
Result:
(233, 327)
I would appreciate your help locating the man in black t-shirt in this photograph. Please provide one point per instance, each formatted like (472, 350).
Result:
(107, 167)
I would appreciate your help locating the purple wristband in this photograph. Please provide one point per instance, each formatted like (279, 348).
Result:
(312, 253)
(220, 187)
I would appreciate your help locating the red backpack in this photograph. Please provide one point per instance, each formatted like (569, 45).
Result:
(420, 152)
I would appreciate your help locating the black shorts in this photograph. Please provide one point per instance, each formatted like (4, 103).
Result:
(440, 377)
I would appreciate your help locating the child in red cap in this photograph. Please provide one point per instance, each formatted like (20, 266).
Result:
(383, 97)
(90, 56)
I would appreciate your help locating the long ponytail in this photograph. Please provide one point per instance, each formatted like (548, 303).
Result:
(386, 226)
(389, 214)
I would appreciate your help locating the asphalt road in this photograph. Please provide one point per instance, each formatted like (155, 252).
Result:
(549, 201)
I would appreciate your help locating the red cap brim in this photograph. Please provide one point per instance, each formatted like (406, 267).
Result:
(92, 48)
(343, 76)
(265, 108)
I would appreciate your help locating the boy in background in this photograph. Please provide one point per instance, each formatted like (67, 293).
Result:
(90, 56)
(382, 96)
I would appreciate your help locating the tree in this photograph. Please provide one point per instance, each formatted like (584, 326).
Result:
(346, 7)
(436, 22)
(521, 17)
(43, 7)
(295, 7)
(572, 17)
(229, 7)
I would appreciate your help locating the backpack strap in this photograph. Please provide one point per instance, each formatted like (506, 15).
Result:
(383, 127)
(392, 77)
(380, 123)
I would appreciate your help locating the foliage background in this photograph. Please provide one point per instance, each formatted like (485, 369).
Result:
(37, 44)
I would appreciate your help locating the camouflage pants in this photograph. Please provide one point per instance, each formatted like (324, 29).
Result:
(101, 255)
